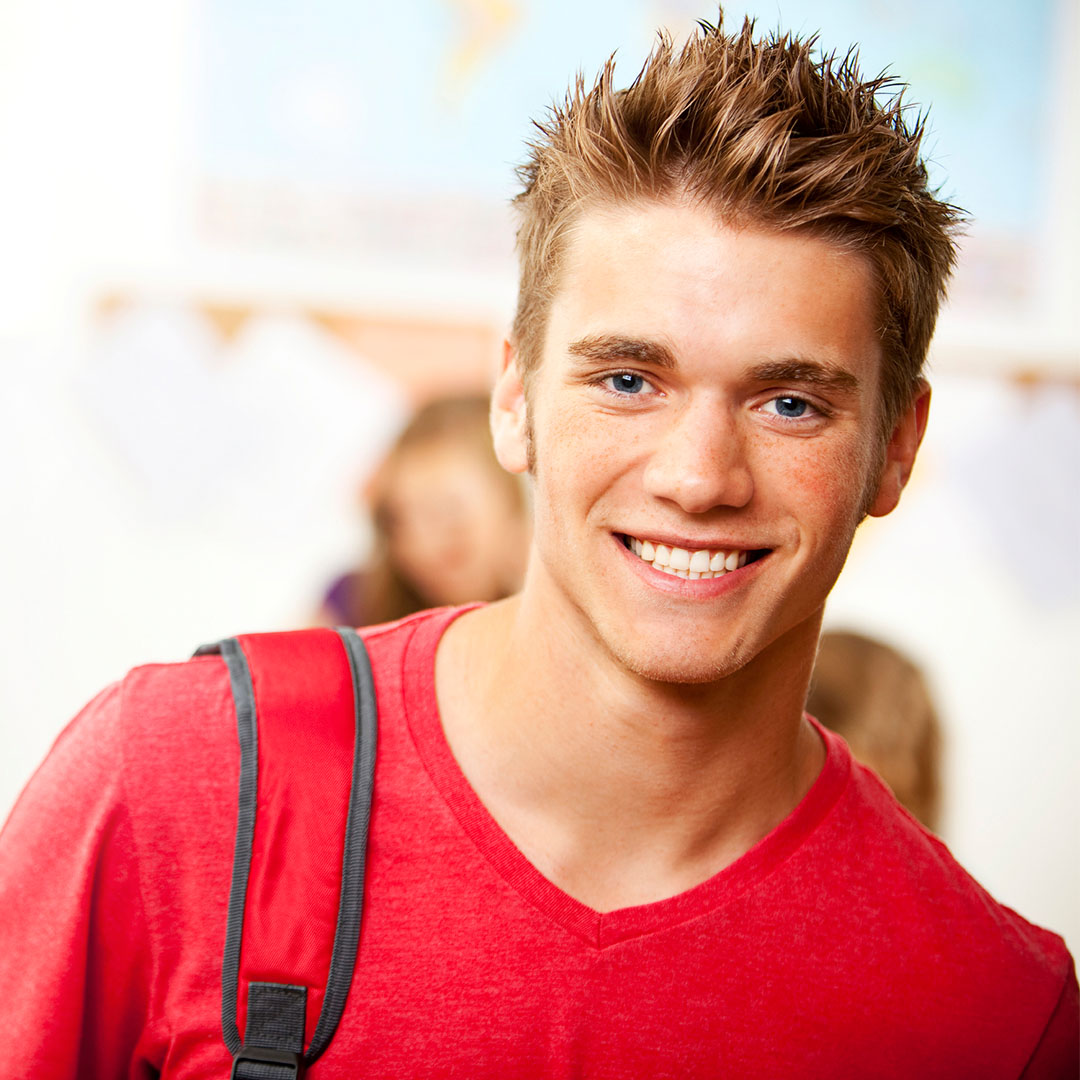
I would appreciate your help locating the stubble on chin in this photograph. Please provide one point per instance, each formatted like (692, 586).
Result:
(681, 672)
(674, 667)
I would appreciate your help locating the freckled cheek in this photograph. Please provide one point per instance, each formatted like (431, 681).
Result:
(585, 450)
(583, 475)
(827, 488)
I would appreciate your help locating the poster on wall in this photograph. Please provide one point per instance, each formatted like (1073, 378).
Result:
(389, 132)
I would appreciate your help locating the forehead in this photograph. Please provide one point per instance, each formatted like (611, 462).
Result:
(677, 274)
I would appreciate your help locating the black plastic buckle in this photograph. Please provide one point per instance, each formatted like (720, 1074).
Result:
(261, 1055)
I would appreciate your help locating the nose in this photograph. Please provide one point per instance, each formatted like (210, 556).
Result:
(700, 461)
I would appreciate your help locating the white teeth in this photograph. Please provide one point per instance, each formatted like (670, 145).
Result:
(699, 561)
(680, 559)
(682, 562)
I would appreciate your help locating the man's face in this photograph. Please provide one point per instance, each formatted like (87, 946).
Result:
(706, 397)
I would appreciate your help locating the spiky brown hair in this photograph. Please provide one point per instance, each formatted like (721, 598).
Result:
(766, 133)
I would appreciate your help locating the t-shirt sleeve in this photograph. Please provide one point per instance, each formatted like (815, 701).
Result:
(1058, 1052)
(69, 901)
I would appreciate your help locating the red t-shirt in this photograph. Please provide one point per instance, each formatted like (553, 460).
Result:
(847, 943)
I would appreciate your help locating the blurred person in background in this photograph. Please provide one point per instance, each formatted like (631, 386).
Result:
(877, 699)
(450, 525)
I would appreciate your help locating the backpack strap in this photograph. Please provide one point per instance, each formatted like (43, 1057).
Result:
(306, 720)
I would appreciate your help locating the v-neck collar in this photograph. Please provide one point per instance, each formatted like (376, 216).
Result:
(599, 929)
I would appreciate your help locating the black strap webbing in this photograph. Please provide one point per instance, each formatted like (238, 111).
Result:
(273, 1047)
(275, 1023)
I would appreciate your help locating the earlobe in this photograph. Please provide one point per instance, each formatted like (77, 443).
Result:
(509, 427)
(900, 453)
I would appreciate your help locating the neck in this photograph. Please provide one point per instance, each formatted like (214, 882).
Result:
(621, 789)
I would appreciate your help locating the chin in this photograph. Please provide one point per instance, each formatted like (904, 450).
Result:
(678, 667)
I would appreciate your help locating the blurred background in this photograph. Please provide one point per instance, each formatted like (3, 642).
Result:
(240, 243)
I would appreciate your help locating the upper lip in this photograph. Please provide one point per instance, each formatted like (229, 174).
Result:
(712, 544)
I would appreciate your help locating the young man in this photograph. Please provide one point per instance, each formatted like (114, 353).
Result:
(606, 841)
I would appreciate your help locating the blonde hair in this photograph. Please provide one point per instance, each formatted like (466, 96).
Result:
(766, 134)
(878, 700)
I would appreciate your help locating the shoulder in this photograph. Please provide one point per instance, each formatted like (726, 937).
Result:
(915, 864)
(914, 871)
(130, 765)
(171, 730)
(191, 698)
(163, 722)
(404, 651)
(428, 624)
(146, 714)
(907, 898)
(159, 749)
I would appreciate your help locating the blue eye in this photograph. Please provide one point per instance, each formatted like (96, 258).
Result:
(626, 382)
(791, 408)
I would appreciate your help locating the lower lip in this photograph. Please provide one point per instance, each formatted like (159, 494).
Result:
(689, 588)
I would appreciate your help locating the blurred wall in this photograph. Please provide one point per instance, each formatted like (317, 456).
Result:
(230, 268)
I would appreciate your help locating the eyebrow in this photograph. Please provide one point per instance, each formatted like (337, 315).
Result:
(822, 375)
(611, 348)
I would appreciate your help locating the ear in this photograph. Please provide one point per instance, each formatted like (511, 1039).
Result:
(900, 453)
(509, 427)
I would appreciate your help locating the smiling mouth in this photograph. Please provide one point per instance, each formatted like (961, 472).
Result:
(687, 563)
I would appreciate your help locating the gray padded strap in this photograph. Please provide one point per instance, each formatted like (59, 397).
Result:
(351, 903)
(248, 732)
